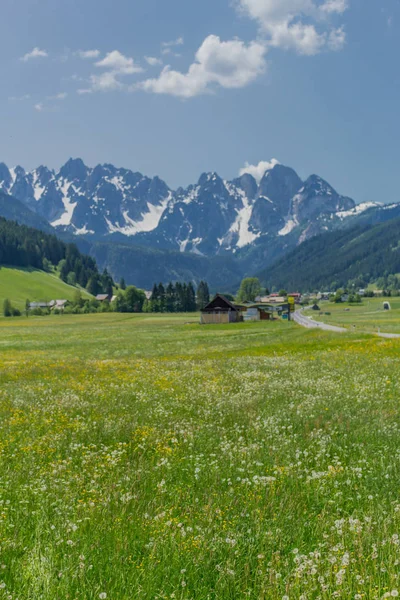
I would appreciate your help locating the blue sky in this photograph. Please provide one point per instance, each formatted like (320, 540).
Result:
(178, 87)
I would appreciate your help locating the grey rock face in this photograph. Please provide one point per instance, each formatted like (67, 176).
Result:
(211, 217)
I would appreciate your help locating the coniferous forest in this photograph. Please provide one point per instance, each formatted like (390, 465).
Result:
(179, 297)
(22, 246)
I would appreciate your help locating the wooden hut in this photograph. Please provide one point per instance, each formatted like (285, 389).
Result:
(220, 310)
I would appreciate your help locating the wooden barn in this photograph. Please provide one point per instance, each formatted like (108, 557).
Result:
(220, 310)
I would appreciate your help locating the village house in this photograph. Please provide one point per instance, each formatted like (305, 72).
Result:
(296, 296)
(220, 310)
(41, 305)
(103, 297)
(58, 304)
(275, 299)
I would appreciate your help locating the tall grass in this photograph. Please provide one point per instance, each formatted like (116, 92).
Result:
(144, 458)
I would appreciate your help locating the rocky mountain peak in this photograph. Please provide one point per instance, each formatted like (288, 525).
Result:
(280, 184)
(74, 170)
(5, 176)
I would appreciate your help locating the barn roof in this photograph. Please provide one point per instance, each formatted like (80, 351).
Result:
(220, 303)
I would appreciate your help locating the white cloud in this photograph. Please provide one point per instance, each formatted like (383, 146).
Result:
(60, 96)
(288, 23)
(35, 53)
(88, 54)
(167, 46)
(119, 64)
(336, 39)
(258, 171)
(115, 65)
(334, 6)
(106, 82)
(178, 42)
(231, 64)
(19, 98)
(152, 61)
(39, 106)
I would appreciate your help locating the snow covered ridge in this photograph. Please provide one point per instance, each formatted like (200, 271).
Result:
(210, 217)
(357, 210)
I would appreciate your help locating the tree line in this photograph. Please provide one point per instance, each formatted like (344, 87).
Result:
(178, 297)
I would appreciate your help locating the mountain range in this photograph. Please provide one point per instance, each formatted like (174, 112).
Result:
(246, 224)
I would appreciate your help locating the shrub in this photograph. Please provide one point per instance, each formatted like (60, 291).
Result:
(7, 308)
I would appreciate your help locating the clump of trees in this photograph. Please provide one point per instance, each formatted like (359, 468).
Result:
(9, 310)
(249, 289)
(180, 297)
(129, 300)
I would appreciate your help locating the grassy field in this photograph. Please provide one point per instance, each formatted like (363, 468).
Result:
(147, 457)
(21, 284)
(368, 316)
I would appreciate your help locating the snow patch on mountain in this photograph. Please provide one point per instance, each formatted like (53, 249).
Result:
(241, 225)
(288, 228)
(69, 206)
(149, 222)
(360, 208)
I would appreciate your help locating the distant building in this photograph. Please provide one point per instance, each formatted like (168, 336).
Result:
(222, 310)
(275, 299)
(324, 295)
(42, 305)
(103, 297)
(296, 296)
(59, 304)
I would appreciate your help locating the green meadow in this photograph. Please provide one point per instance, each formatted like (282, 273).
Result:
(369, 316)
(148, 457)
(18, 285)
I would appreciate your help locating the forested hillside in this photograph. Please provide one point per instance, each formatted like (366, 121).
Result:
(361, 255)
(22, 246)
(143, 266)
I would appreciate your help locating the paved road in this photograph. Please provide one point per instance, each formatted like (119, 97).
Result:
(311, 324)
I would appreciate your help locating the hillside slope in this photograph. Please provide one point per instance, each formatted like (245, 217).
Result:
(145, 266)
(21, 284)
(331, 260)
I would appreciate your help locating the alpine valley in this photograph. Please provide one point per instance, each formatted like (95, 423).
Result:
(218, 230)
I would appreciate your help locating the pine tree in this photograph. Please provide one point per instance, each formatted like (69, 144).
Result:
(154, 293)
(203, 295)
(179, 298)
(122, 284)
(7, 308)
(93, 286)
(161, 298)
(170, 298)
(190, 298)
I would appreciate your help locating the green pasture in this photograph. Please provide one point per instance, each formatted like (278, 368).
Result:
(18, 285)
(148, 457)
(368, 316)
